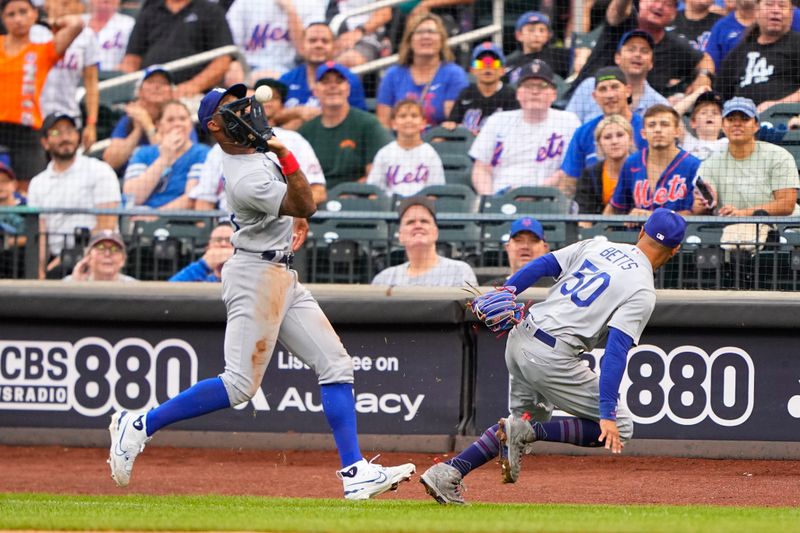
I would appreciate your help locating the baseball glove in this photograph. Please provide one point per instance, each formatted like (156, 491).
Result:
(498, 309)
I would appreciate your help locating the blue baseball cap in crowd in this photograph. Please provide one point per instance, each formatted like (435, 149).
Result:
(157, 69)
(532, 17)
(210, 102)
(527, 224)
(333, 66)
(666, 227)
(488, 48)
(737, 104)
(637, 33)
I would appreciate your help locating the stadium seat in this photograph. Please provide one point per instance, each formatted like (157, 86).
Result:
(445, 141)
(452, 198)
(354, 196)
(791, 141)
(528, 201)
(779, 114)
(457, 169)
(613, 231)
(357, 246)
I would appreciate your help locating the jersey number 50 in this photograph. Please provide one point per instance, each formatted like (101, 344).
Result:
(585, 290)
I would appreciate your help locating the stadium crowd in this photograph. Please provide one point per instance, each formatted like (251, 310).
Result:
(668, 95)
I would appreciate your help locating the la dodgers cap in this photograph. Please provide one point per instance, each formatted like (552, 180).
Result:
(106, 235)
(531, 17)
(157, 69)
(666, 227)
(527, 224)
(738, 104)
(536, 69)
(411, 201)
(333, 66)
(488, 48)
(636, 33)
(210, 102)
(51, 119)
(610, 73)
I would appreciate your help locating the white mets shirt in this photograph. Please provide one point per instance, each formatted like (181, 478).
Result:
(405, 172)
(602, 284)
(522, 153)
(112, 39)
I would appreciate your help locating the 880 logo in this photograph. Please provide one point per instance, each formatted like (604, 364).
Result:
(92, 375)
(687, 385)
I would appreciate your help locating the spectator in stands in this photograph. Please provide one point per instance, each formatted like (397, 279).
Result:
(678, 66)
(487, 95)
(112, 29)
(103, 261)
(23, 69)
(750, 175)
(694, 22)
(611, 93)
(418, 234)
(634, 57)
(614, 139)
(69, 181)
(532, 32)
(175, 29)
(526, 242)
(79, 65)
(409, 164)
(209, 267)
(661, 175)
(526, 146)
(301, 105)
(706, 123)
(345, 139)
(12, 225)
(426, 72)
(161, 175)
(364, 37)
(138, 126)
(765, 66)
(271, 34)
(210, 190)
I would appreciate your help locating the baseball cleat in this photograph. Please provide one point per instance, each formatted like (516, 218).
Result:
(128, 437)
(364, 480)
(516, 434)
(444, 484)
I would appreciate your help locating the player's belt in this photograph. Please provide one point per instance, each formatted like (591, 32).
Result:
(278, 256)
(541, 334)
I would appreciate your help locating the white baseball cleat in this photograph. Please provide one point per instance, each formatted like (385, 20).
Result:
(128, 437)
(364, 480)
(517, 434)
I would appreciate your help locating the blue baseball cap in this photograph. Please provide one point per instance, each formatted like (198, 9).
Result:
(157, 69)
(532, 17)
(666, 227)
(737, 104)
(527, 224)
(210, 102)
(333, 66)
(637, 33)
(488, 48)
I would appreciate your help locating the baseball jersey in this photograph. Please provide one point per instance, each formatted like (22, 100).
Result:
(471, 109)
(22, 78)
(255, 187)
(112, 39)
(582, 152)
(447, 83)
(602, 284)
(300, 92)
(523, 153)
(58, 95)
(405, 172)
(172, 185)
(584, 105)
(446, 273)
(211, 187)
(674, 188)
(261, 30)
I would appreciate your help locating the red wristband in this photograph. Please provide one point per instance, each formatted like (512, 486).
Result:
(289, 164)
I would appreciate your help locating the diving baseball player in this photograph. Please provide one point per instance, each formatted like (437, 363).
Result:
(602, 288)
(265, 301)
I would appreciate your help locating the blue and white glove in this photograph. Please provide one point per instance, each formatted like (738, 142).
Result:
(498, 309)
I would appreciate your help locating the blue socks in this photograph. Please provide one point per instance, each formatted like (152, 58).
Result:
(203, 397)
(340, 410)
(478, 453)
(577, 431)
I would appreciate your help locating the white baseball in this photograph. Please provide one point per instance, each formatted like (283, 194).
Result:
(264, 94)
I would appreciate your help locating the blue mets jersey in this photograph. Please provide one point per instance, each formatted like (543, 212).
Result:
(673, 190)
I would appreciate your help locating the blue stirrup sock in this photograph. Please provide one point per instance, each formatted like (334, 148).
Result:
(480, 452)
(340, 410)
(203, 397)
(577, 431)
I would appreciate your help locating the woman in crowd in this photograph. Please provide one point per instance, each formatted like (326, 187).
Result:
(161, 175)
(425, 72)
(613, 138)
(24, 66)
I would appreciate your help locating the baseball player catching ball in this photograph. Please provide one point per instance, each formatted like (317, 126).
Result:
(602, 287)
(264, 300)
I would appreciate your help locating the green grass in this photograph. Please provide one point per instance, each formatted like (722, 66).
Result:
(247, 513)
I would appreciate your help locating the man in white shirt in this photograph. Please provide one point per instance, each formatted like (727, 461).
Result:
(69, 181)
(524, 147)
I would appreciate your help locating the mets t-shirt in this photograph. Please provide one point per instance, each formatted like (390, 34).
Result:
(674, 188)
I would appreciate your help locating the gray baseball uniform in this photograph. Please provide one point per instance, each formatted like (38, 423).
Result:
(265, 301)
(602, 284)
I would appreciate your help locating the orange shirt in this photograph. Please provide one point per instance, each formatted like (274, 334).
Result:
(22, 78)
(609, 184)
